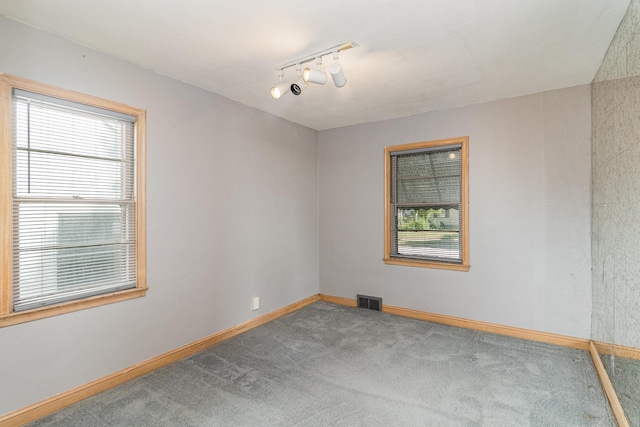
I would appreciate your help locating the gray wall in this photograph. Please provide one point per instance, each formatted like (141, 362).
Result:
(529, 165)
(232, 214)
(616, 188)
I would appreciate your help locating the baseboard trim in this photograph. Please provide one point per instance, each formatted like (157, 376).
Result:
(618, 350)
(55, 403)
(528, 334)
(339, 300)
(609, 390)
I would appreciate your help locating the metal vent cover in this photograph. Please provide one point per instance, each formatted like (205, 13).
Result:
(369, 302)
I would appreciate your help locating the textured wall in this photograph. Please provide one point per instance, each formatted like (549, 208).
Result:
(623, 56)
(616, 188)
(232, 213)
(529, 179)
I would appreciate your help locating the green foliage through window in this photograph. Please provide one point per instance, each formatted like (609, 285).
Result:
(420, 219)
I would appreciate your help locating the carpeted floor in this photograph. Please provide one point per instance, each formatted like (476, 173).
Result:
(328, 365)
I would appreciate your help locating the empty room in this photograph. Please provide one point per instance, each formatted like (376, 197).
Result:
(411, 213)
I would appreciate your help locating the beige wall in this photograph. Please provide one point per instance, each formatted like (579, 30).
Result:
(616, 188)
(529, 167)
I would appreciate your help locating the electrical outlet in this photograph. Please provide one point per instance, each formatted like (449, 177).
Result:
(255, 303)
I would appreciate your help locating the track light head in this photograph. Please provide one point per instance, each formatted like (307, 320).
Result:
(278, 91)
(337, 75)
(314, 76)
(282, 88)
(298, 86)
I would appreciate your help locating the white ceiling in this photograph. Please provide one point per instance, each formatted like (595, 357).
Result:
(414, 55)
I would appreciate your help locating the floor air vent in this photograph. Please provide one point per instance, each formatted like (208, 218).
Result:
(372, 303)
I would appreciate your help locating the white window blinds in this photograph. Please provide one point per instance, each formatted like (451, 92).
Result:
(74, 198)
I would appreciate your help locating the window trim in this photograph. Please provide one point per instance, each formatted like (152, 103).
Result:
(7, 315)
(463, 141)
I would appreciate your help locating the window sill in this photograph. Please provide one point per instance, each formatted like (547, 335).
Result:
(426, 264)
(71, 306)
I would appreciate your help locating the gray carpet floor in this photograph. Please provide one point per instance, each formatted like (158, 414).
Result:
(328, 365)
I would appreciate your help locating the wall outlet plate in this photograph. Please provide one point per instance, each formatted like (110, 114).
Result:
(255, 303)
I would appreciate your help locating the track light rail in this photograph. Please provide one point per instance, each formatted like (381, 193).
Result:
(337, 48)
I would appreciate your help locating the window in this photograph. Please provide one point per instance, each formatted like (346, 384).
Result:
(426, 190)
(72, 201)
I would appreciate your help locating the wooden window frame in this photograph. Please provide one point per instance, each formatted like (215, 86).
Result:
(389, 216)
(7, 315)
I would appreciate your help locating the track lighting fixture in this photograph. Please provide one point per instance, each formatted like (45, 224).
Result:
(278, 91)
(336, 72)
(282, 88)
(310, 75)
(315, 76)
(298, 85)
